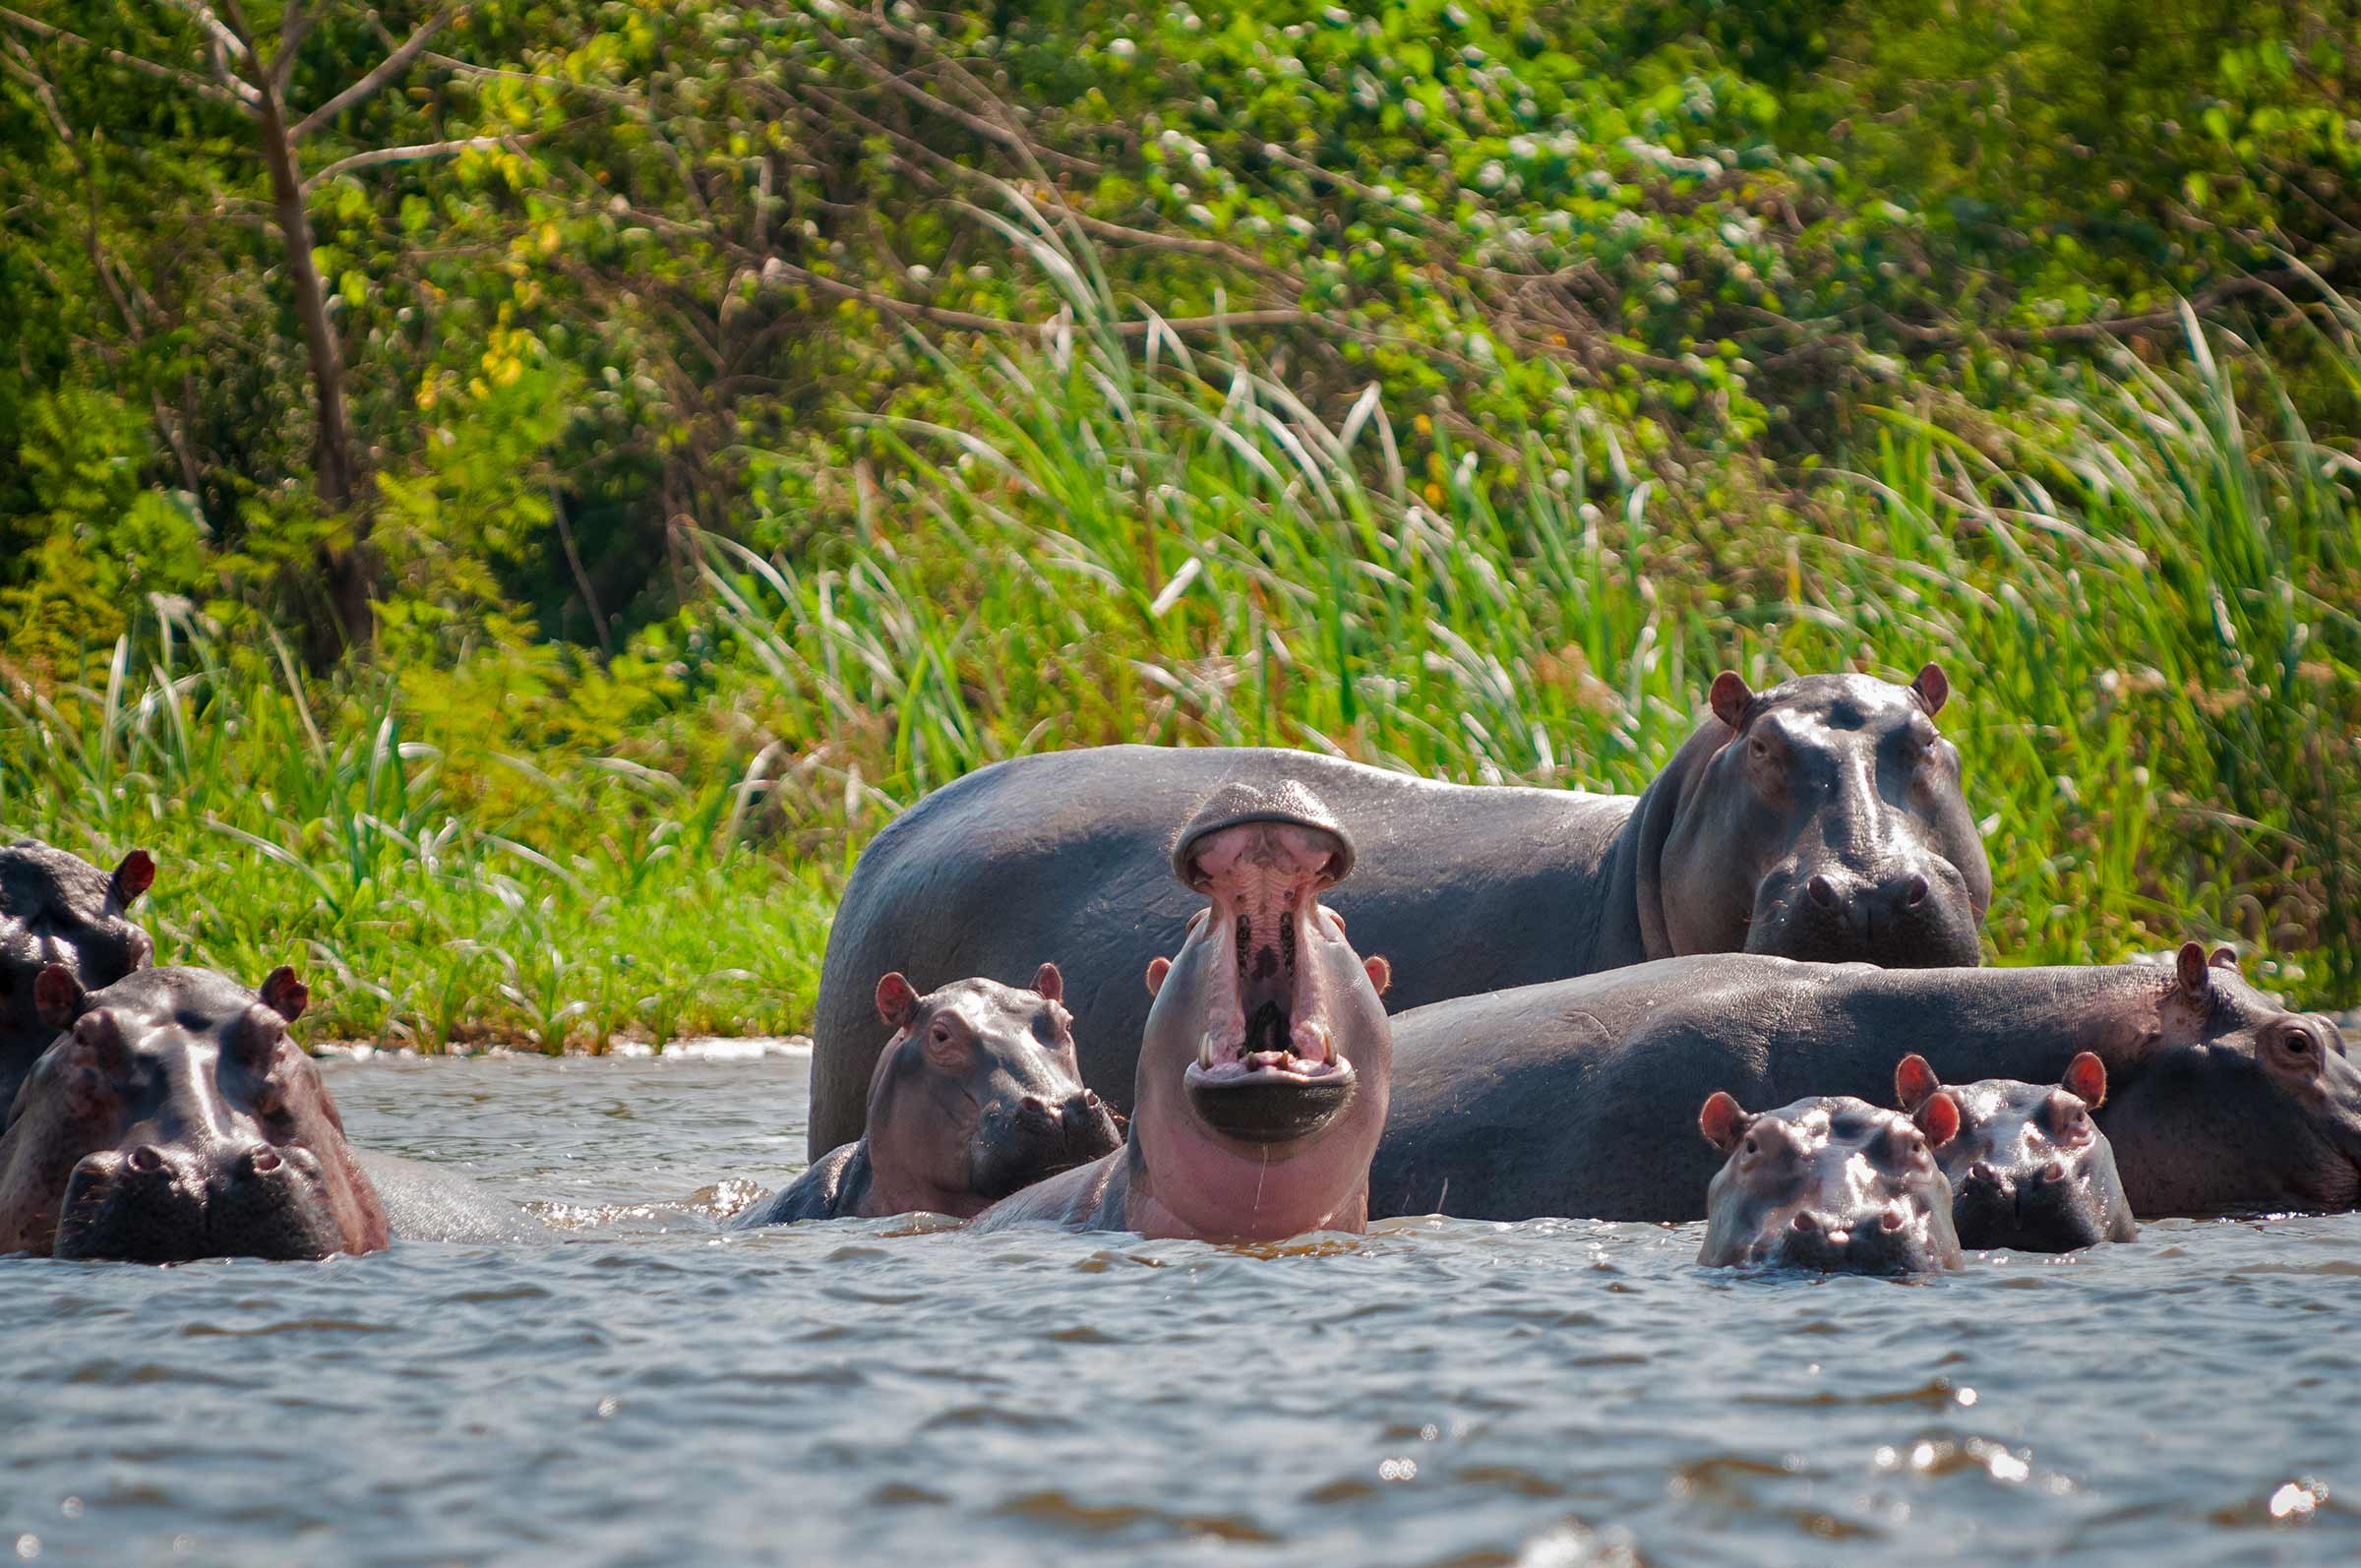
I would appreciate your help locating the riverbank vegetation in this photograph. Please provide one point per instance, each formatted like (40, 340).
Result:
(706, 428)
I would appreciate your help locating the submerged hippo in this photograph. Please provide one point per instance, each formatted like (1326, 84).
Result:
(2029, 1167)
(1821, 819)
(56, 908)
(1263, 1080)
(1830, 1183)
(173, 1118)
(976, 1097)
(1574, 1098)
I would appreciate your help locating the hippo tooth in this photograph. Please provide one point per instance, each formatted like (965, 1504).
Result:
(1205, 1057)
(1311, 1042)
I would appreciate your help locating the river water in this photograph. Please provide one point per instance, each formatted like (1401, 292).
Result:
(651, 1389)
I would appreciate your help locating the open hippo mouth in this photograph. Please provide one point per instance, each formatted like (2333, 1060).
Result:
(1268, 1069)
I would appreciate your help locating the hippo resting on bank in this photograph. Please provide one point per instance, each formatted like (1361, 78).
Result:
(1830, 1183)
(2029, 1167)
(1575, 1097)
(976, 1097)
(1261, 1082)
(56, 908)
(1818, 820)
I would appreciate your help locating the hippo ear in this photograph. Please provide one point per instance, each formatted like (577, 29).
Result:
(2191, 970)
(1938, 1119)
(2086, 1080)
(1380, 973)
(133, 877)
(1932, 688)
(1158, 968)
(1730, 698)
(2223, 957)
(285, 994)
(1049, 983)
(1724, 1121)
(1914, 1080)
(58, 996)
(898, 1000)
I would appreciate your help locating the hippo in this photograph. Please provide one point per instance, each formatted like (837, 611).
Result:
(1263, 1076)
(56, 908)
(976, 1097)
(1574, 1098)
(1821, 819)
(172, 1118)
(2029, 1168)
(1830, 1184)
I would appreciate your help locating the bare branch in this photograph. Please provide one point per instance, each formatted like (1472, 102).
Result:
(226, 40)
(391, 66)
(295, 27)
(189, 80)
(406, 154)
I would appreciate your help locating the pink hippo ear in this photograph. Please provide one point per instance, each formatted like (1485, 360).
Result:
(2191, 968)
(898, 1000)
(1914, 1080)
(1938, 1119)
(1380, 973)
(285, 994)
(1158, 968)
(1932, 688)
(1049, 983)
(57, 995)
(1724, 1121)
(134, 875)
(1730, 698)
(2086, 1080)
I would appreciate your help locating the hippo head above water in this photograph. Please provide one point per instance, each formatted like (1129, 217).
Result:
(1834, 1185)
(977, 1095)
(56, 908)
(173, 1118)
(1821, 819)
(1266, 1064)
(2028, 1168)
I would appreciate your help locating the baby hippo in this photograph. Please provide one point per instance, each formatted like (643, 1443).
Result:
(1834, 1184)
(2029, 1169)
(976, 1096)
(172, 1118)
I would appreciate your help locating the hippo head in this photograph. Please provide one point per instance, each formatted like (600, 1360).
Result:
(2223, 1101)
(56, 908)
(1266, 1063)
(1821, 819)
(1834, 1185)
(2029, 1167)
(978, 1095)
(172, 1118)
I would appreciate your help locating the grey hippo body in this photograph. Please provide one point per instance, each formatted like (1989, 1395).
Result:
(56, 908)
(1822, 819)
(1578, 1098)
(976, 1097)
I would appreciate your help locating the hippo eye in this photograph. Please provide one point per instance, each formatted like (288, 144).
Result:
(1759, 749)
(1753, 1147)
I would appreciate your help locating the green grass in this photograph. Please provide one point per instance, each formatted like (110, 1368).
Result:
(2144, 595)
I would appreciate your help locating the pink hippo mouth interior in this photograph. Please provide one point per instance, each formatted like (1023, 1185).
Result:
(1268, 1065)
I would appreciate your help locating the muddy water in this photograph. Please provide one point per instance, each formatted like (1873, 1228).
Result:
(653, 1391)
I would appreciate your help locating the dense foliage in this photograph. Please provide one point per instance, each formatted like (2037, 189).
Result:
(509, 498)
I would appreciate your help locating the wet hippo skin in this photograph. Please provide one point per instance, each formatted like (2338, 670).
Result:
(1822, 819)
(56, 908)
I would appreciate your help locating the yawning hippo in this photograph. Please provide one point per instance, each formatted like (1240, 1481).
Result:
(1261, 1083)
(1574, 1098)
(173, 1119)
(976, 1097)
(1820, 819)
(2029, 1167)
(1830, 1184)
(56, 908)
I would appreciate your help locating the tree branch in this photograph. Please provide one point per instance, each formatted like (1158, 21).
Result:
(391, 66)
(190, 80)
(406, 154)
(295, 27)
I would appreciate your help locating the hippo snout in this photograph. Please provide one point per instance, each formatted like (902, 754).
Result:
(1912, 913)
(161, 1204)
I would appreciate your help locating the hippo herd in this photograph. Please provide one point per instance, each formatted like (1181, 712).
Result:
(1590, 992)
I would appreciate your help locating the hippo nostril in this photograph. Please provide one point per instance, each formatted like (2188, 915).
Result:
(1891, 1220)
(146, 1158)
(2055, 1171)
(1036, 1105)
(1914, 892)
(1823, 891)
(1805, 1222)
(1984, 1174)
(262, 1160)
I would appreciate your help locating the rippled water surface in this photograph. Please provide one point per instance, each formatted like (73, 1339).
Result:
(653, 1391)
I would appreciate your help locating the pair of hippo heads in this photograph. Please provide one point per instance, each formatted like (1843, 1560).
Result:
(1263, 1071)
(1821, 819)
(977, 1096)
(173, 1118)
(56, 908)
